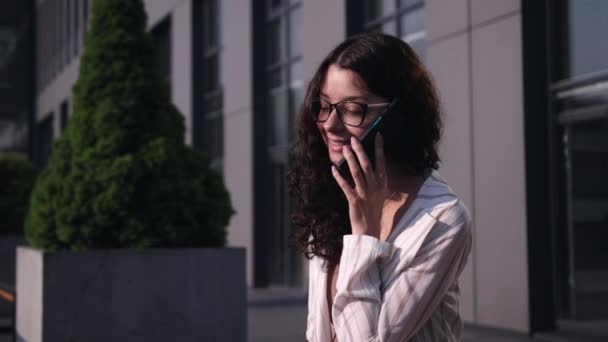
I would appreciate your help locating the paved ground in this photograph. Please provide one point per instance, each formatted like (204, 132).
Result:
(278, 314)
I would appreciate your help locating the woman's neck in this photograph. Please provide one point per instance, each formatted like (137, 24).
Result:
(402, 181)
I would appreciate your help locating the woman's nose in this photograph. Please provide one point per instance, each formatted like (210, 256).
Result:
(333, 122)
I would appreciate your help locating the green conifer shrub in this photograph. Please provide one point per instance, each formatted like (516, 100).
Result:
(120, 175)
(17, 177)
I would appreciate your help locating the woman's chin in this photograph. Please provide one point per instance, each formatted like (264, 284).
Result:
(335, 157)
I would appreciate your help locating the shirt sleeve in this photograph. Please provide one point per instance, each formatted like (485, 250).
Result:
(364, 309)
(311, 302)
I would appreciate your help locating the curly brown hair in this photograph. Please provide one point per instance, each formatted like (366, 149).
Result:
(389, 68)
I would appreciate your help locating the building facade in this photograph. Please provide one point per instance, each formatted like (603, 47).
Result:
(524, 89)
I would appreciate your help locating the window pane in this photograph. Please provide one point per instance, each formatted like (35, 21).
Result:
(275, 42)
(76, 15)
(213, 135)
(275, 3)
(276, 78)
(390, 27)
(375, 28)
(586, 155)
(297, 72)
(210, 24)
(295, 31)
(86, 10)
(588, 22)
(406, 3)
(68, 29)
(210, 73)
(64, 114)
(85, 19)
(413, 33)
(45, 140)
(374, 9)
(161, 36)
(277, 105)
(60, 36)
(419, 47)
(412, 22)
(213, 102)
(76, 19)
(297, 97)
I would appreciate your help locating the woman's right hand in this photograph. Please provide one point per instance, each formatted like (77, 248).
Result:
(366, 199)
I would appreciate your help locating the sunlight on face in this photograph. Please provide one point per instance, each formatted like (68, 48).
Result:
(342, 85)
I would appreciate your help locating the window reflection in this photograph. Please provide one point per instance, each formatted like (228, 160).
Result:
(402, 18)
(283, 96)
(583, 50)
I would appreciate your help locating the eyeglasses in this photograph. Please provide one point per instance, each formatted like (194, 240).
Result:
(349, 112)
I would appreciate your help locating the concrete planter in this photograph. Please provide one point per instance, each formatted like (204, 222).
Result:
(128, 295)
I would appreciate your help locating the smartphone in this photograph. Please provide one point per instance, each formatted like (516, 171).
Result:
(368, 139)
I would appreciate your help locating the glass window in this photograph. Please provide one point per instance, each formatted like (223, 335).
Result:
(60, 33)
(389, 27)
(275, 78)
(275, 42)
(56, 29)
(297, 72)
(412, 25)
(210, 30)
(85, 11)
(401, 18)
(161, 36)
(16, 76)
(76, 25)
(278, 116)
(213, 102)
(406, 3)
(283, 48)
(210, 72)
(213, 138)
(65, 112)
(209, 126)
(275, 4)
(295, 32)
(68, 31)
(587, 24)
(375, 9)
(44, 140)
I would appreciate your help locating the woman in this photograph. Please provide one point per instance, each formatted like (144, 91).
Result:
(386, 247)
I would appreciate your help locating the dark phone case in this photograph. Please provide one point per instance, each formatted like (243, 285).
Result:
(367, 140)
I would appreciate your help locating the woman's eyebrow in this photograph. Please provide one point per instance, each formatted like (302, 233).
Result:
(348, 98)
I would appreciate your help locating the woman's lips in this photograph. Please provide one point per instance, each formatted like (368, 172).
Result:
(336, 146)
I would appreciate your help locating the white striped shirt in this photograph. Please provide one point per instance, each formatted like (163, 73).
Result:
(401, 289)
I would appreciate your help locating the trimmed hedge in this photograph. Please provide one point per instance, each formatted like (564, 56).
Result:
(18, 176)
(120, 176)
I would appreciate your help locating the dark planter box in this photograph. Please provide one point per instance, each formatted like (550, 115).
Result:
(130, 295)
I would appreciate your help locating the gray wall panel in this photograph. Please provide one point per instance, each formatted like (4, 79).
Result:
(486, 10)
(501, 249)
(448, 61)
(181, 62)
(236, 30)
(445, 18)
(324, 27)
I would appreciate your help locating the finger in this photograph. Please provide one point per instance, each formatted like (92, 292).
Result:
(343, 184)
(354, 168)
(380, 160)
(364, 162)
